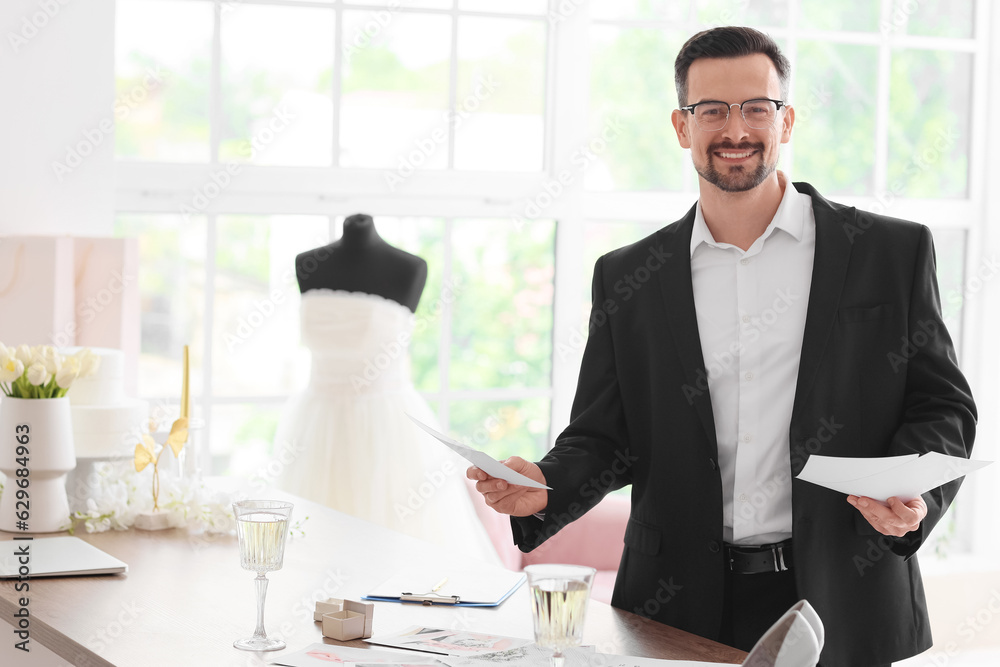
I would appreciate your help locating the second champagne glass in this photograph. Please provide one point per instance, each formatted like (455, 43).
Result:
(261, 526)
(559, 595)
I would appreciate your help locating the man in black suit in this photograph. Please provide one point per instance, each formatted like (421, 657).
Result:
(767, 325)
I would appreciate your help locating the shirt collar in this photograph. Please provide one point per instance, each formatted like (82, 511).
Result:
(790, 217)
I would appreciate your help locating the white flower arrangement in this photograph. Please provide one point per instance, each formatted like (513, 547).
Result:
(116, 500)
(41, 372)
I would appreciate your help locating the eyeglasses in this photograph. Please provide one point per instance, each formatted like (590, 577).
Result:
(759, 114)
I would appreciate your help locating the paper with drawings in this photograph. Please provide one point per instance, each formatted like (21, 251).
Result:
(482, 460)
(905, 477)
(533, 655)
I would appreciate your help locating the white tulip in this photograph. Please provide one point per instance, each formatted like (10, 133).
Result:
(37, 375)
(68, 373)
(24, 354)
(50, 358)
(11, 369)
(89, 362)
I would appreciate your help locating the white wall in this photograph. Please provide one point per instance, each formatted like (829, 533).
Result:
(57, 89)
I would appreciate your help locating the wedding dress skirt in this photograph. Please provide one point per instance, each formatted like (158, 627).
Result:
(351, 444)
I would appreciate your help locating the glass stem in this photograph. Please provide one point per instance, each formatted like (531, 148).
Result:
(261, 583)
(557, 659)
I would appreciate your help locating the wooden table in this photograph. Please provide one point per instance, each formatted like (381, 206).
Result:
(185, 599)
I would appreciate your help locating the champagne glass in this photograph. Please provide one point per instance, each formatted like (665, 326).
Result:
(559, 595)
(261, 526)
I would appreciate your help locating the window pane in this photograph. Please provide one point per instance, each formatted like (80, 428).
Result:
(856, 15)
(670, 10)
(949, 247)
(255, 349)
(424, 237)
(172, 293)
(631, 97)
(395, 91)
(277, 101)
(502, 323)
(241, 439)
(834, 104)
(162, 63)
(929, 123)
(746, 12)
(391, 5)
(503, 428)
(507, 6)
(939, 19)
(600, 238)
(500, 100)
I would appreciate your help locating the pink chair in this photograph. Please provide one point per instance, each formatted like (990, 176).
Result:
(596, 540)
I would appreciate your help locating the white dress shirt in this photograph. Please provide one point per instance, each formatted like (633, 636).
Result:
(751, 310)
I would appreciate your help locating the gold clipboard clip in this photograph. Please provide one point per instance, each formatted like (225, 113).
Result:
(431, 597)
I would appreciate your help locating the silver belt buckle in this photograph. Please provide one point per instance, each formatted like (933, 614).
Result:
(779, 559)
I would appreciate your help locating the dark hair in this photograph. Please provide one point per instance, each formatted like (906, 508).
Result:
(728, 42)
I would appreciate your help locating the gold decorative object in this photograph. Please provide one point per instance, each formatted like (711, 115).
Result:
(145, 451)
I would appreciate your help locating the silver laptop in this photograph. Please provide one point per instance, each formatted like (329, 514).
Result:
(55, 557)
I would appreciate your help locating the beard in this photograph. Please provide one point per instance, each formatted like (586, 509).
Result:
(735, 178)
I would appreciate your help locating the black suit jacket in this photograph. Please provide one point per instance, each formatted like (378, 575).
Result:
(878, 376)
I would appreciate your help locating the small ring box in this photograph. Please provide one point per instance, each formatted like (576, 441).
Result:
(327, 606)
(352, 621)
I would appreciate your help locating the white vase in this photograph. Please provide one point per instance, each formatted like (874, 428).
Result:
(35, 434)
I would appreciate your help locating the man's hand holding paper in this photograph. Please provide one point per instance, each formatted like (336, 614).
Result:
(515, 486)
(897, 519)
(508, 498)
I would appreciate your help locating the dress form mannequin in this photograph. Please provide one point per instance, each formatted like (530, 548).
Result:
(361, 261)
(346, 437)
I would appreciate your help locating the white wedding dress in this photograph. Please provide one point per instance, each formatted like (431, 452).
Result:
(353, 447)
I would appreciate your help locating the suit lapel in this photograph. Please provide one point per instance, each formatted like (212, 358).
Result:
(832, 255)
(678, 298)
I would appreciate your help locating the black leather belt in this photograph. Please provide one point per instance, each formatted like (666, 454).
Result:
(759, 559)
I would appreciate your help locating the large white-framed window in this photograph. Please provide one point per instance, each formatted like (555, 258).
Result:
(510, 144)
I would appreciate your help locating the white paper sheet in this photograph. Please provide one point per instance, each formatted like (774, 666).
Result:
(448, 642)
(482, 460)
(533, 655)
(905, 477)
(323, 655)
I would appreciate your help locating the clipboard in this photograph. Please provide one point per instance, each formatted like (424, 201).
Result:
(458, 585)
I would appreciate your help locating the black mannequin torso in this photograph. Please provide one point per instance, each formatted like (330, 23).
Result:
(361, 261)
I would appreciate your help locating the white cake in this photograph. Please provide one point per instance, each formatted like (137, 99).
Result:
(105, 421)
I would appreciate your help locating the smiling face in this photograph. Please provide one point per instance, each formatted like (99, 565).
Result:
(736, 158)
